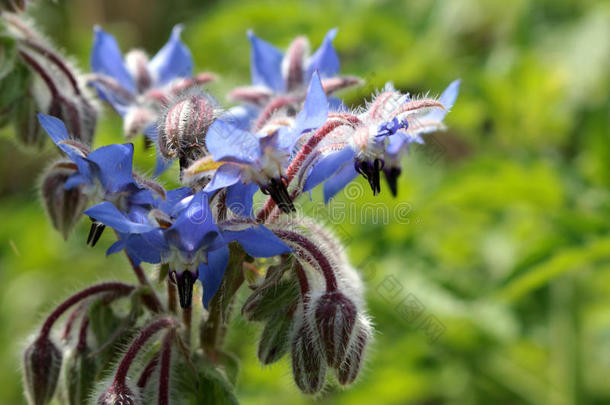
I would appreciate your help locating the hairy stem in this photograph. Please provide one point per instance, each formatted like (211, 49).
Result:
(138, 344)
(116, 287)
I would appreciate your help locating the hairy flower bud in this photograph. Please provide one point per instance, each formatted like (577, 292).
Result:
(183, 128)
(308, 365)
(270, 298)
(79, 376)
(27, 128)
(119, 394)
(41, 367)
(274, 342)
(352, 363)
(64, 207)
(334, 318)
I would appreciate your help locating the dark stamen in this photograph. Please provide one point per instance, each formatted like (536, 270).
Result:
(276, 188)
(185, 282)
(391, 176)
(95, 232)
(371, 173)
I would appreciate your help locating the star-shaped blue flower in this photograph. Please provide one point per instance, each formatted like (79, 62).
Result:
(391, 138)
(171, 62)
(186, 238)
(258, 160)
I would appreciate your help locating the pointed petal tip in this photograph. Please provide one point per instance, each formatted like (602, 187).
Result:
(177, 31)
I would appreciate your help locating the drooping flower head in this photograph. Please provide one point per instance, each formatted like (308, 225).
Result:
(280, 80)
(183, 234)
(386, 129)
(243, 161)
(104, 174)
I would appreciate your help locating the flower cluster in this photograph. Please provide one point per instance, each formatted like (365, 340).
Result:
(289, 135)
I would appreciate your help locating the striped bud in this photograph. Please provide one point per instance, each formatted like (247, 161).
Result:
(27, 128)
(64, 207)
(275, 338)
(308, 365)
(183, 128)
(41, 367)
(79, 376)
(334, 317)
(352, 363)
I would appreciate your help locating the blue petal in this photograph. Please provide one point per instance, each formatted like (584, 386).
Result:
(120, 105)
(58, 133)
(211, 273)
(173, 197)
(76, 180)
(241, 116)
(115, 164)
(338, 182)
(325, 59)
(447, 99)
(239, 198)
(161, 165)
(327, 166)
(109, 215)
(139, 248)
(195, 227)
(107, 59)
(172, 61)
(231, 144)
(258, 241)
(226, 175)
(266, 64)
(315, 108)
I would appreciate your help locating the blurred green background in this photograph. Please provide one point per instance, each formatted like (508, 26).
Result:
(502, 244)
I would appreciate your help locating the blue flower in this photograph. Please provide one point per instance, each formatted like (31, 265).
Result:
(285, 77)
(138, 88)
(105, 174)
(182, 234)
(121, 81)
(244, 161)
(391, 124)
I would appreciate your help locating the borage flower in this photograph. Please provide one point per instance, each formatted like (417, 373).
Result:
(105, 174)
(139, 88)
(243, 162)
(279, 80)
(390, 124)
(183, 235)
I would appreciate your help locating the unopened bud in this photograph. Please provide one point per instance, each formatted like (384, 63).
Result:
(64, 207)
(275, 338)
(79, 376)
(41, 367)
(27, 128)
(119, 394)
(350, 367)
(270, 298)
(183, 128)
(308, 365)
(334, 315)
